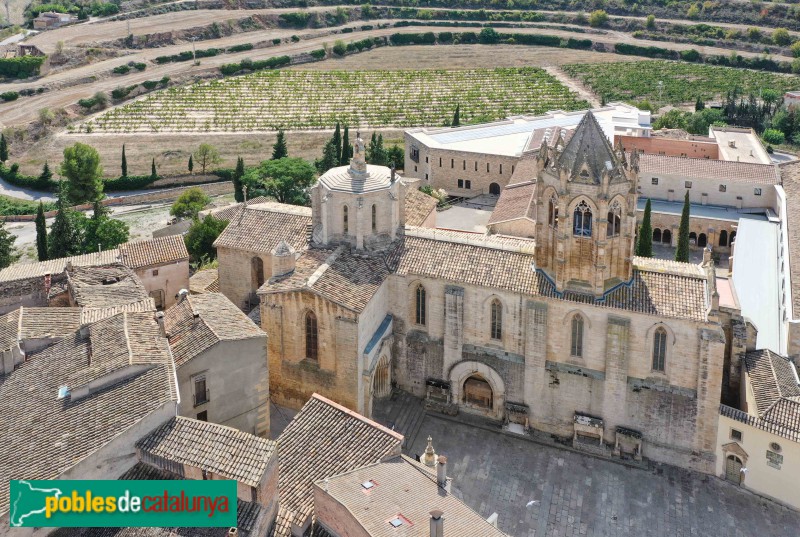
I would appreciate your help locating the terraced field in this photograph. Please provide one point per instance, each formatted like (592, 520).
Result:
(318, 99)
(665, 82)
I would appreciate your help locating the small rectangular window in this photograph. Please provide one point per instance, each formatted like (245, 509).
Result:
(654, 180)
(687, 184)
(512, 169)
(476, 165)
(757, 191)
(501, 169)
(460, 183)
(200, 390)
(487, 167)
(467, 184)
(426, 160)
(155, 271)
(464, 165)
(723, 188)
(415, 168)
(426, 176)
(736, 435)
(440, 162)
(452, 163)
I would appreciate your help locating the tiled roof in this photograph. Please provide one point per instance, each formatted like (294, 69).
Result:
(418, 206)
(204, 281)
(589, 146)
(516, 201)
(228, 212)
(222, 450)
(106, 286)
(218, 319)
(66, 431)
(772, 378)
(34, 323)
(710, 169)
(57, 266)
(91, 315)
(402, 487)
(791, 184)
(342, 179)
(154, 251)
(260, 228)
(788, 410)
(325, 439)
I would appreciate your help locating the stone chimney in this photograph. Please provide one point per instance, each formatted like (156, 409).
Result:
(441, 472)
(437, 524)
(283, 259)
(233, 532)
(160, 321)
(394, 175)
(182, 294)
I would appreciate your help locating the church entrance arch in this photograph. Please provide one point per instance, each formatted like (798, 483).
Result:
(382, 378)
(478, 388)
(494, 189)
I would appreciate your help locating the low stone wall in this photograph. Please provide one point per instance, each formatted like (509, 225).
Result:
(167, 194)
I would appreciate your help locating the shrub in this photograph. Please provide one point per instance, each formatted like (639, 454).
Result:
(241, 48)
(445, 37)
(318, 54)
(773, 137)
(584, 44)
(598, 18)
(297, 19)
(9, 96)
(139, 66)
(276, 41)
(130, 182)
(690, 55)
(121, 70)
(781, 37)
(121, 93)
(150, 84)
(488, 36)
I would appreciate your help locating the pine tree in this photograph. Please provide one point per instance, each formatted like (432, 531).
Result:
(64, 238)
(337, 142)
(238, 193)
(41, 233)
(330, 158)
(124, 163)
(644, 246)
(191, 164)
(279, 150)
(346, 148)
(153, 173)
(45, 177)
(7, 254)
(682, 252)
(3, 148)
(699, 105)
(457, 116)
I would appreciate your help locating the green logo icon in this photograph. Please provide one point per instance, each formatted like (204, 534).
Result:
(98, 503)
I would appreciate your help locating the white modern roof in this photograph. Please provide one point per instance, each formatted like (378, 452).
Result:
(510, 137)
(740, 145)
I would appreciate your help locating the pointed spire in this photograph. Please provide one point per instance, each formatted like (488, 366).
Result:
(588, 155)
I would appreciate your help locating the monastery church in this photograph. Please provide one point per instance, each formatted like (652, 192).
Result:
(566, 332)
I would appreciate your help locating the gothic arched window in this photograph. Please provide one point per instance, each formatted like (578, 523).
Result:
(576, 345)
(374, 218)
(420, 305)
(552, 212)
(659, 349)
(345, 221)
(582, 220)
(614, 220)
(311, 336)
(497, 320)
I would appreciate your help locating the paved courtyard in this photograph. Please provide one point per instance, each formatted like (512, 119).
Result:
(577, 495)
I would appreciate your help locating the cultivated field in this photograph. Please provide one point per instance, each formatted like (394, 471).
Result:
(680, 82)
(317, 99)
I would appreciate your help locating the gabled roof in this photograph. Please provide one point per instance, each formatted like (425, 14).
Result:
(709, 169)
(68, 430)
(259, 228)
(322, 440)
(516, 201)
(418, 206)
(154, 252)
(34, 323)
(204, 281)
(23, 271)
(589, 147)
(198, 322)
(219, 449)
(105, 286)
(772, 378)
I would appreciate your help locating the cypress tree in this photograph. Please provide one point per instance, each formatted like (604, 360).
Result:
(64, 239)
(124, 163)
(45, 177)
(41, 233)
(682, 252)
(238, 193)
(345, 147)
(644, 246)
(191, 164)
(699, 105)
(337, 142)
(7, 254)
(153, 174)
(279, 150)
(330, 158)
(457, 116)
(3, 148)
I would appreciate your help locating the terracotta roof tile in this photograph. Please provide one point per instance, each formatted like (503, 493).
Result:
(710, 169)
(516, 201)
(56, 266)
(260, 228)
(204, 281)
(35, 323)
(219, 449)
(154, 251)
(772, 378)
(105, 286)
(418, 206)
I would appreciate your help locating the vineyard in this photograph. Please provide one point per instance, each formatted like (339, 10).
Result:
(318, 99)
(662, 82)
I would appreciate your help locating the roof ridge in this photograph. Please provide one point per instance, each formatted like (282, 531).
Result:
(127, 336)
(357, 416)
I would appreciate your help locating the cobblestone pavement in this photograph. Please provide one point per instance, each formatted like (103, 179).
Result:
(579, 495)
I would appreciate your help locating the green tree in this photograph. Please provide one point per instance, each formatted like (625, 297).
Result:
(337, 142)
(238, 173)
(124, 163)
(699, 104)
(651, 22)
(457, 116)
(773, 137)
(201, 236)
(206, 155)
(395, 156)
(376, 154)
(106, 234)
(347, 149)
(693, 12)
(41, 233)
(3, 148)
(287, 179)
(65, 238)
(330, 158)
(781, 37)
(682, 252)
(81, 167)
(153, 172)
(598, 18)
(46, 176)
(279, 150)
(191, 164)
(644, 246)
(190, 203)
(795, 48)
(8, 255)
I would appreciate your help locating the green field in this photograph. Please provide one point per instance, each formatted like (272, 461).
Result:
(318, 99)
(681, 82)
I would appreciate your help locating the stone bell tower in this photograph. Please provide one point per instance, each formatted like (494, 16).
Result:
(585, 211)
(360, 204)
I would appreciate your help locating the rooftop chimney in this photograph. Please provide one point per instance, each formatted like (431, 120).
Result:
(441, 471)
(393, 174)
(182, 294)
(160, 321)
(437, 524)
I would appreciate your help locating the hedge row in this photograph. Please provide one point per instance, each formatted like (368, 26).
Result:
(187, 55)
(21, 66)
(13, 176)
(131, 182)
(250, 65)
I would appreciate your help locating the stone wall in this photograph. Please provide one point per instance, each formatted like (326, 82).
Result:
(701, 147)
(711, 228)
(237, 279)
(165, 280)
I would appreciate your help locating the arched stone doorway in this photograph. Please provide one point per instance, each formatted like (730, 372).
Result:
(701, 240)
(478, 388)
(382, 378)
(666, 237)
(494, 189)
(477, 393)
(733, 469)
(656, 235)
